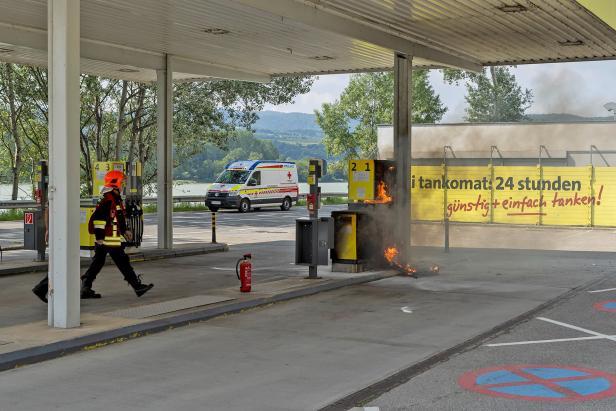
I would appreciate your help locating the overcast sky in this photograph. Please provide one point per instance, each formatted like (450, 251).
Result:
(575, 88)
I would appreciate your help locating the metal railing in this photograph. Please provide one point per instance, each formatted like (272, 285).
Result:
(23, 204)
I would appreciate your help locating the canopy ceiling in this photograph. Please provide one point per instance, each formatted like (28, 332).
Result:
(256, 39)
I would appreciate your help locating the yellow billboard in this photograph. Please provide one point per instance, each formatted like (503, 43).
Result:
(604, 191)
(572, 196)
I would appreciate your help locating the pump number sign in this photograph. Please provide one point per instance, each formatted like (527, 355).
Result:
(29, 218)
(361, 179)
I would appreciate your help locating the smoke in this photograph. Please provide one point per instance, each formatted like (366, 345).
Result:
(563, 90)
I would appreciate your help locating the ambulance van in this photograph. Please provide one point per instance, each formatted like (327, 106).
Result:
(246, 185)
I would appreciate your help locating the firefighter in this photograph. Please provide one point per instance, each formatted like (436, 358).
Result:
(108, 224)
(42, 288)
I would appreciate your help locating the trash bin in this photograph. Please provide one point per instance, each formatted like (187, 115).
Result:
(303, 240)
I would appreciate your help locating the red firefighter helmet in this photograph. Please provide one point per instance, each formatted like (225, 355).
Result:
(114, 179)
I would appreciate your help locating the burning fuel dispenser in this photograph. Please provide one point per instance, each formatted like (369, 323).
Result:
(363, 232)
(132, 195)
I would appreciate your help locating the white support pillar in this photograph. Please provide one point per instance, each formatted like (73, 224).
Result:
(402, 153)
(165, 155)
(64, 70)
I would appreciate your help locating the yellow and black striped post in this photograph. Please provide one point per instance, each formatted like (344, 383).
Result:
(213, 227)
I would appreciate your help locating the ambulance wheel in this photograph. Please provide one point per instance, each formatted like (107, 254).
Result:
(286, 204)
(244, 205)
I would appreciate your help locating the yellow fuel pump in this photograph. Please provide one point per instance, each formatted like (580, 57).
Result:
(361, 231)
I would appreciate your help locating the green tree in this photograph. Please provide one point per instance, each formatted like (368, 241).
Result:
(207, 164)
(118, 119)
(349, 124)
(210, 112)
(23, 122)
(492, 95)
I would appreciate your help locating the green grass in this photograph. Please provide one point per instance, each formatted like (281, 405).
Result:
(12, 215)
(18, 214)
(151, 208)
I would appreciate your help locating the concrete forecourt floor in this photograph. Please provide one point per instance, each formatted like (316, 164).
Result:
(332, 350)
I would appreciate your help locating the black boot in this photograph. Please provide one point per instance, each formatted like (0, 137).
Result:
(87, 292)
(40, 290)
(141, 288)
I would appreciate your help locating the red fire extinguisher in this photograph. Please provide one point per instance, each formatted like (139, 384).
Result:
(243, 270)
(311, 202)
(38, 196)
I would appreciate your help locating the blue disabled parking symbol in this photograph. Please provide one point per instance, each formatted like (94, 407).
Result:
(606, 306)
(545, 383)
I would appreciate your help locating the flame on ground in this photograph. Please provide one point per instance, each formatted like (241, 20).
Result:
(382, 197)
(391, 254)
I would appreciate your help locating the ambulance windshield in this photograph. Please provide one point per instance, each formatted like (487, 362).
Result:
(233, 177)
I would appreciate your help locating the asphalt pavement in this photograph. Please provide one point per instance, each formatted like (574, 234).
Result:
(310, 353)
(560, 359)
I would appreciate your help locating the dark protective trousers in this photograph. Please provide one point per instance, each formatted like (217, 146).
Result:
(120, 259)
(44, 282)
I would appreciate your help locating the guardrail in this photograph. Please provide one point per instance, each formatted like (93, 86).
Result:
(22, 204)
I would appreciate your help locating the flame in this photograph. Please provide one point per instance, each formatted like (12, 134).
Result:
(381, 195)
(391, 254)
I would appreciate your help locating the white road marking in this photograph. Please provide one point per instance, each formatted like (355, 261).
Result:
(407, 310)
(544, 341)
(603, 291)
(574, 327)
(595, 335)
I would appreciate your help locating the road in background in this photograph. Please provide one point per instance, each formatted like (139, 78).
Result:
(179, 189)
(233, 227)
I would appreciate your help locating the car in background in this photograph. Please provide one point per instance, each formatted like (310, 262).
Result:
(246, 185)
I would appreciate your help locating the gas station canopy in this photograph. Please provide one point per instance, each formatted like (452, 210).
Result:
(256, 39)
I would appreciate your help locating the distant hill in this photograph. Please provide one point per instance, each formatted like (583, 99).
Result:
(296, 151)
(564, 118)
(273, 125)
(298, 136)
(275, 120)
(290, 127)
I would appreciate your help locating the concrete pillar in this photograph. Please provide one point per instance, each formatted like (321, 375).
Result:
(165, 156)
(402, 153)
(64, 70)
